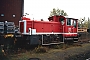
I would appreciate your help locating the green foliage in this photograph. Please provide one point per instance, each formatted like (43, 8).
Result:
(41, 49)
(88, 23)
(58, 12)
(60, 46)
(82, 22)
(85, 24)
(57, 46)
(2, 55)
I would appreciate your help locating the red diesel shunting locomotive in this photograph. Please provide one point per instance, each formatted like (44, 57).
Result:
(58, 29)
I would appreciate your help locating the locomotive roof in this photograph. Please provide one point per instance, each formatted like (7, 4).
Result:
(62, 16)
(72, 18)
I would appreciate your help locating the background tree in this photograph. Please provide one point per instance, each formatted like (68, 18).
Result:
(82, 22)
(58, 12)
(88, 23)
(79, 23)
(85, 24)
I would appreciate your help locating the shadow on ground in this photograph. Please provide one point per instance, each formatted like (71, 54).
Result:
(80, 56)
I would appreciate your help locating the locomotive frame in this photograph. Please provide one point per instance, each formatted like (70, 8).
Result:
(52, 32)
(58, 29)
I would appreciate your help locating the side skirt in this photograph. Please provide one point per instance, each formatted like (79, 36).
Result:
(52, 39)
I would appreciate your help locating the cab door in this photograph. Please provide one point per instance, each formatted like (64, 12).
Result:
(75, 27)
(69, 26)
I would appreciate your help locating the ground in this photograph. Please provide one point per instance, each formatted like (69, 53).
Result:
(53, 54)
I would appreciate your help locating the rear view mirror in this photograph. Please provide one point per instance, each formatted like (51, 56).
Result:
(61, 20)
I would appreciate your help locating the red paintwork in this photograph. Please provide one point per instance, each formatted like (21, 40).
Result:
(24, 18)
(21, 26)
(42, 26)
(47, 26)
(29, 25)
(53, 25)
(72, 29)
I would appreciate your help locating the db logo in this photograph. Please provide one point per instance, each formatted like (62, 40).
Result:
(69, 29)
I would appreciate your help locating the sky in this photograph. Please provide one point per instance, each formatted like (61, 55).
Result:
(40, 9)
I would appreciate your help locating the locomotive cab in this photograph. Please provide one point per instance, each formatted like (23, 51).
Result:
(70, 30)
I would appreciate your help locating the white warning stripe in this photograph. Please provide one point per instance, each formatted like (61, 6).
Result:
(47, 33)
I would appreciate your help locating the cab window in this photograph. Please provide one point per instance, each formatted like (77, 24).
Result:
(74, 23)
(70, 22)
